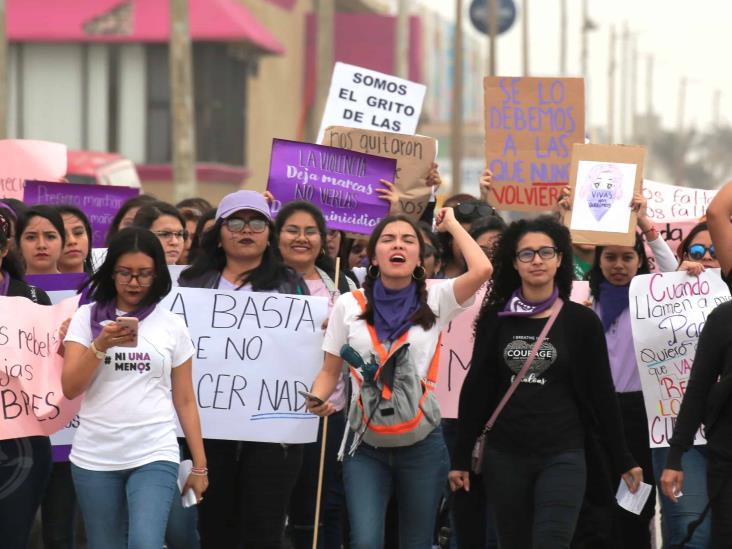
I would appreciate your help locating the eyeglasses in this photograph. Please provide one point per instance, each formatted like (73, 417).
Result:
(237, 224)
(144, 278)
(527, 254)
(168, 235)
(473, 210)
(697, 252)
(295, 231)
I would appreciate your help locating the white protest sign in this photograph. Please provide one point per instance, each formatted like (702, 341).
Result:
(669, 203)
(668, 312)
(362, 98)
(254, 352)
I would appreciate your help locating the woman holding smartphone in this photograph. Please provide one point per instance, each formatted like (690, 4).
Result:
(132, 358)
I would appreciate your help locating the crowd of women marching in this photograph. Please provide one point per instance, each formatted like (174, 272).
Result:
(551, 414)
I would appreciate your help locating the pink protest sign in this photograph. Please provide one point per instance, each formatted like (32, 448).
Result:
(31, 400)
(22, 159)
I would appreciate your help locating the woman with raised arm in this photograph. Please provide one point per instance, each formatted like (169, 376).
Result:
(393, 443)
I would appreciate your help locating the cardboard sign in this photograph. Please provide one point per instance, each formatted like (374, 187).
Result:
(31, 399)
(457, 349)
(667, 312)
(530, 127)
(246, 380)
(603, 179)
(414, 154)
(100, 203)
(23, 159)
(341, 183)
(362, 98)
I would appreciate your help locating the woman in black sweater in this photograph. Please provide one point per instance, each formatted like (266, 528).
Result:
(25, 463)
(534, 465)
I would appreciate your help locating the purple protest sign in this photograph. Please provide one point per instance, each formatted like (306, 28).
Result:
(99, 202)
(341, 183)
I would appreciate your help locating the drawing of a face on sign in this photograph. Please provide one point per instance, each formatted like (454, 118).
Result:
(602, 188)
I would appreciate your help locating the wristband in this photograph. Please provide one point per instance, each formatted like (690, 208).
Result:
(99, 354)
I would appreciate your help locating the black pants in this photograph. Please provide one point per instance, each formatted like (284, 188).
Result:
(537, 498)
(631, 531)
(25, 466)
(719, 487)
(58, 509)
(250, 488)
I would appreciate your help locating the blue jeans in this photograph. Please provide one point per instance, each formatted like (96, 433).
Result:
(416, 472)
(126, 509)
(676, 517)
(182, 529)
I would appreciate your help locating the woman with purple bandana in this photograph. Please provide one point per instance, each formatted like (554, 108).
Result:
(396, 306)
(536, 460)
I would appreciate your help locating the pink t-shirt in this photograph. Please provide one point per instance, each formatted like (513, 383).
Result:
(318, 288)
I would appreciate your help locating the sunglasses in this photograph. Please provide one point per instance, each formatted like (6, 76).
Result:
(473, 210)
(697, 252)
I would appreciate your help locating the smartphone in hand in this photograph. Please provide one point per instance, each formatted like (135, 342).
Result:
(311, 396)
(132, 324)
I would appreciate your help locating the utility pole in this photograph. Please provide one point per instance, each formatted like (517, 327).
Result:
(634, 90)
(401, 53)
(3, 74)
(624, 83)
(649, 99)
(525, 38)
(563, 38)
(492, 26)
(325, 19)
(716, 108)
(682, 105)
(456, 150)
(585, 32)
(611, 88)
(681, 134)
(182, 115)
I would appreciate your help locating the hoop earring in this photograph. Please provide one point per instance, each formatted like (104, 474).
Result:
(371, 273)
(422, 273)
(322, 251)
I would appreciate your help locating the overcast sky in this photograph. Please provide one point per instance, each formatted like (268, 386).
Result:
(687, 38)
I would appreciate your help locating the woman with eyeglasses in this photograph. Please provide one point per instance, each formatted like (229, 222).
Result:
(251, 481)
(534, 464)
(40, 236)
(302, 239)
(125, 454)
(167, 223)
(30, 455)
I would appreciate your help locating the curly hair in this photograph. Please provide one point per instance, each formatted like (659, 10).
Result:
(505, 276)
(424, 316)
(595, 275)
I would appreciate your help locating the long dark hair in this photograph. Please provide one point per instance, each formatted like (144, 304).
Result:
(683, 248)
(68, 209)
(424, 316)
(323, 261)
(595, 275)
(269, 275)
(128, 241)
(505, 276)
(41, 210)
(198, 233)
(11, 263)
(134, 202)
(149, 213)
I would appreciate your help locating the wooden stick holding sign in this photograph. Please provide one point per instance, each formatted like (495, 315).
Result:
(603, 179)
(323, 442)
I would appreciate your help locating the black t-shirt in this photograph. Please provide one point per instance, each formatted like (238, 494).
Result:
(542, 416)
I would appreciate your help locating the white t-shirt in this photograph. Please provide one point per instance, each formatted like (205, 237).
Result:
(345, 326)
(127, 417)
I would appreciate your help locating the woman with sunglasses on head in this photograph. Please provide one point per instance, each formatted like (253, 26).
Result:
(396, 309)
(534, 465)
(40, 236)
(31, 455)
(302, 238)
(251, 481)
(167, 223)
(125, 465)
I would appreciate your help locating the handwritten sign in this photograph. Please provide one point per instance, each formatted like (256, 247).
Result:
(246, 380)
(414, 155)
(23, 159)
(100, 203)
(672, 203)
(668, 312)
(31, 399)
(341, 183)
(362, 98)
(530, 127)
